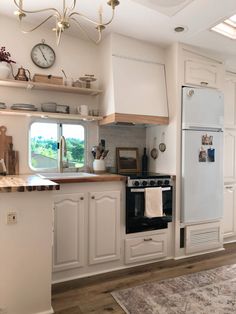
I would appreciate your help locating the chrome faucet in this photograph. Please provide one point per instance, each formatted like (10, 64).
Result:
(62, 154)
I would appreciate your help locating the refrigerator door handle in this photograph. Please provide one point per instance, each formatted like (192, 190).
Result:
(199, 128)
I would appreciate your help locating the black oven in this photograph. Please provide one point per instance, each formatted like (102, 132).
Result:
(135, 203)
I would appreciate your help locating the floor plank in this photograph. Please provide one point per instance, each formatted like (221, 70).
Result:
(92, 294)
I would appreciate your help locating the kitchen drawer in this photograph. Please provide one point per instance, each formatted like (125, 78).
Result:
(145, 248)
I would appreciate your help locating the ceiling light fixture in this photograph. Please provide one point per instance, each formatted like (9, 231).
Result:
(227, 27)
(63, 19)
(179, 29)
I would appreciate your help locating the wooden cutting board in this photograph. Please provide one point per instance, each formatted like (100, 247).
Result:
(5, 141)
(10, 156)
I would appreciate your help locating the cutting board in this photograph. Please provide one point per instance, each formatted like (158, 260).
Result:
(5, 141)
(10, 156)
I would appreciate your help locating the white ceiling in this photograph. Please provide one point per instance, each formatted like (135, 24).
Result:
(154, 20)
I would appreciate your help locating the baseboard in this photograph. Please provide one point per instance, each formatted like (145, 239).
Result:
(229, 241)
(51, 311)
(110, 270)
(197, 254)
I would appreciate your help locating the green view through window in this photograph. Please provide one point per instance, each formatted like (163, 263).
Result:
(44, 139)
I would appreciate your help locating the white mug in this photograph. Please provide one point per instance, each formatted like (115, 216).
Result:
(83, 110)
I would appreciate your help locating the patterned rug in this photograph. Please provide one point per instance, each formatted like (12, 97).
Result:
(205, 292)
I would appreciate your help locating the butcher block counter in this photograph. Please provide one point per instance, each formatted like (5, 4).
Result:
(82, 177)
(26, 183)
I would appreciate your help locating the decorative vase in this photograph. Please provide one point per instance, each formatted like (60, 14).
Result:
(5, 70)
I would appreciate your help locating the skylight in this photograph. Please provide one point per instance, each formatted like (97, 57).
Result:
(227, 27)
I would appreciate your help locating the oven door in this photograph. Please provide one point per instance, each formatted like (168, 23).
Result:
(135, 208)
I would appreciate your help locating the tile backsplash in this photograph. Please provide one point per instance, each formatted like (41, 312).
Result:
(122, 136)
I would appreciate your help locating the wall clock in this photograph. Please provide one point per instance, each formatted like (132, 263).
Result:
(43, 55)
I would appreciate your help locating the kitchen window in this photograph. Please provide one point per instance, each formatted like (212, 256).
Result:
(44, 145)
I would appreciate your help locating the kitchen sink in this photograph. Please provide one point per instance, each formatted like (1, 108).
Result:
(65, 175)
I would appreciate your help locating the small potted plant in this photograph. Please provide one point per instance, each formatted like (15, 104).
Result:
(5, 62)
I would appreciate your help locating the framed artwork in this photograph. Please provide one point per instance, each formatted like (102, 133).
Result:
(127, 159)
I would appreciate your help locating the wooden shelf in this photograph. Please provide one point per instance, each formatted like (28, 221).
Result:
(48, 115)
(50, 87)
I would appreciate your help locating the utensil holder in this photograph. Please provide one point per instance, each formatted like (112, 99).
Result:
(99, 165)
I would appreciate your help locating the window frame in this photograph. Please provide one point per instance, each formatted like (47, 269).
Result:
(59, 133)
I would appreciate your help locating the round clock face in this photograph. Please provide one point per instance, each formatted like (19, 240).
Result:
(43, 56)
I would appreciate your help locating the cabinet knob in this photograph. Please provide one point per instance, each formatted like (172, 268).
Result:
(93, 197)
(81, 198)
(147, 239)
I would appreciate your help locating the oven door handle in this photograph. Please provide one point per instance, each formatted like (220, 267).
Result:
(143, 190)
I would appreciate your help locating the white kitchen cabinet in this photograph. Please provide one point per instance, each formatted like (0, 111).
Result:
(69, 221)
(145, 248)
(104, 226)
(229, 155)
(229, 221)
(202, 73)
(229, 101)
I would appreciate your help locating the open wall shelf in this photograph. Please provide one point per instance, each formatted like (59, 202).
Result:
(50, 87)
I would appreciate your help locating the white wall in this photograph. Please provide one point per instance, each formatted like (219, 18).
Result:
(26, 253)
(74, 55)
(167, 161)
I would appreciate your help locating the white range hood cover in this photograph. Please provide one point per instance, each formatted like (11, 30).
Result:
(167, 7)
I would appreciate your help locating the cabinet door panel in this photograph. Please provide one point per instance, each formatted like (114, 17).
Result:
(201, 73)
(229, 103)
(229, 154)
(229, 211)
(104, 227)
(68, 232)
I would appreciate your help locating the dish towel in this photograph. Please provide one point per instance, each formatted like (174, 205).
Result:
(153, 202)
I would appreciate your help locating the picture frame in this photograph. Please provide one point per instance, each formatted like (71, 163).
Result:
(127, 159)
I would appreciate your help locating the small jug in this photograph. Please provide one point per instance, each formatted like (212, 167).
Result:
(21, 75)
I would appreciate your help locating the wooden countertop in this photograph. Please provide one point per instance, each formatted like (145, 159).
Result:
(26, 183)
(106, 177)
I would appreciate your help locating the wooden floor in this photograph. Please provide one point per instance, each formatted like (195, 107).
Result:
(92, 295)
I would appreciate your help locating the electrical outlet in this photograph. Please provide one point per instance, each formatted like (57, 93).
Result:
(11, 218)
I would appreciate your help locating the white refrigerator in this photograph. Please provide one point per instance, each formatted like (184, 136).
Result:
(202, 155)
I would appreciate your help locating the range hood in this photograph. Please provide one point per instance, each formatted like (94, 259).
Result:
(135, 93)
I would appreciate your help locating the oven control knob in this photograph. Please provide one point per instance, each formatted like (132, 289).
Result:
(159, 182)
(136, 183)
(144, 183)
(166, 182)
(152, 182)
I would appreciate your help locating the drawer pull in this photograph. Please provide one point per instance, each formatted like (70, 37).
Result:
(204, 83)
(93, 197)
(230, 189)
(81, 198)
(147, 239)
